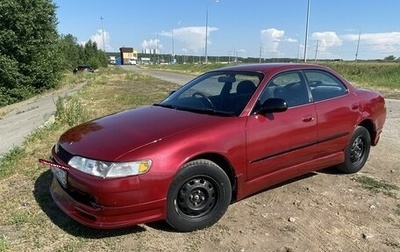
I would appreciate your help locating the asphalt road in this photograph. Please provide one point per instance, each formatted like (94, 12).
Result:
(22, 118)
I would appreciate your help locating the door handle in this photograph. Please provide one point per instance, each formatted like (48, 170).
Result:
(355, 106)
(308, 119)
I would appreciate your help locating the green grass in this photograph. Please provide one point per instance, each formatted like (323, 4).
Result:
(363, 74)
(5, 244)
(369, 74)
(10, 160)
(71, 111)
(376, 186)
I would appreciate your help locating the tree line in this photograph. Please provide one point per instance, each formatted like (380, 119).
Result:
(33, 55)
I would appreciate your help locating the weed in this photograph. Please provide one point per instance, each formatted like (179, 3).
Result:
(397, 211)
(70, 111)
(391, 243)
(18, 218)
(377, 186)
(288, 228)
(5, 244)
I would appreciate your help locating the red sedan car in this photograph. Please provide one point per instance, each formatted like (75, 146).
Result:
(221, 137)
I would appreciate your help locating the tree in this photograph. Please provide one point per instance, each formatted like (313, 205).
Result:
(70, 51)
(390, 58)
(93, 56)
(29, 59)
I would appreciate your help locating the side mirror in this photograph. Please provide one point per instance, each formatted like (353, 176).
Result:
(272, 105)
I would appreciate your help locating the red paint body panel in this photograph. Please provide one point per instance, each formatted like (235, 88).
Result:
(257, 150)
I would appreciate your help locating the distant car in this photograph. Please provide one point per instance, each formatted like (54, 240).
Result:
(223, 136)
(132, 61)
(83, 68)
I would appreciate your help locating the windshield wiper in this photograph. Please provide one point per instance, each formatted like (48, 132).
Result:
(165, 105)
(209, 111)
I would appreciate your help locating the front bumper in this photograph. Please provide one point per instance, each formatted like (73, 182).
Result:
(110, 217)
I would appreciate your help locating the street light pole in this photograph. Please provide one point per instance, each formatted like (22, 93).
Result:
(173, 47)
(102, 34)
(205, 47)
(307, 26)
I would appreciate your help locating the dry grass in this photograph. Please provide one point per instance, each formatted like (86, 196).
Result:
(29, 219)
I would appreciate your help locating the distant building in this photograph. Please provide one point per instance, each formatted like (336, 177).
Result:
(128, 55)
(150, 51)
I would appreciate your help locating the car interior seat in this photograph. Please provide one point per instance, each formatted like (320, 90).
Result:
(244, 91)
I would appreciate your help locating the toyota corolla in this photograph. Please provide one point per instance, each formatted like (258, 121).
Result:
(223, 136)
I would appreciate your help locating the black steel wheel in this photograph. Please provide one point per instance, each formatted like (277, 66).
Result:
(198, 197)
(357, 151)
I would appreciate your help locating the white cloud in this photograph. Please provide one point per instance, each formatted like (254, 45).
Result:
(326, 40)
(98, 38)
(387, 42)
(192, 38)
(271, 38)
(291, 40)
(152, 44)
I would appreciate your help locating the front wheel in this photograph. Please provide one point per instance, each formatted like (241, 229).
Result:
(357, 151)
(198, 196)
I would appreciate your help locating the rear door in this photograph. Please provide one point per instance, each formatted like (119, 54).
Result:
(337, 109)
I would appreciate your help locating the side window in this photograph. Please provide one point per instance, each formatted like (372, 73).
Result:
(289, 86)
(324, 85)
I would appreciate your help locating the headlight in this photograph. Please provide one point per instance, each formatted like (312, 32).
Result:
(109, 169)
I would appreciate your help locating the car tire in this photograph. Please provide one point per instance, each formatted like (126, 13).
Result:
(357, 151)
(198, 196)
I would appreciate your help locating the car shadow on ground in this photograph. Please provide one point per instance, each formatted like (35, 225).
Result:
(63, 221)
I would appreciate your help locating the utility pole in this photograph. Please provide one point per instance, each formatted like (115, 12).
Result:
(358, 43)
(316, 50)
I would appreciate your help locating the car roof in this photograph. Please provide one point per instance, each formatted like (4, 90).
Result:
(266, 67)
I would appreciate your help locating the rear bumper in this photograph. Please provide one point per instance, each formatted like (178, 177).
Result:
(101, 217)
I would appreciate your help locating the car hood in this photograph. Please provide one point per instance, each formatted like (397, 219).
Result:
(110, 137)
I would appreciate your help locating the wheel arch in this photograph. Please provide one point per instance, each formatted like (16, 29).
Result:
(225, 165)
(369, 125)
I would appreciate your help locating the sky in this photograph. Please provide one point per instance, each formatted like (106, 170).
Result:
(337, 29)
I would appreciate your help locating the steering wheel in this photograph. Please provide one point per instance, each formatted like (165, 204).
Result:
(203, 97)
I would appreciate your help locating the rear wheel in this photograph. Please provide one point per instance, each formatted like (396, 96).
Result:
(357, 151)
(199, 196)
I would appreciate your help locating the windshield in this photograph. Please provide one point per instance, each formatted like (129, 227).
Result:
(219, 92)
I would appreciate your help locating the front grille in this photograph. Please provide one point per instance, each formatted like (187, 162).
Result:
(82, 197)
